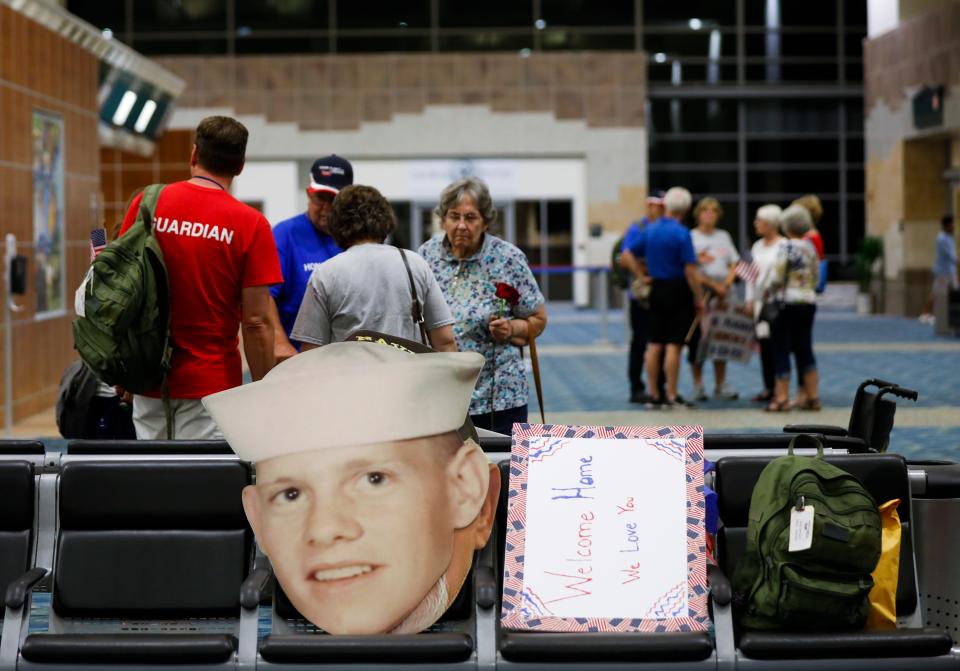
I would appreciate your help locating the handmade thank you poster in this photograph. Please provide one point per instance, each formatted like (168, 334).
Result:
(605, 530)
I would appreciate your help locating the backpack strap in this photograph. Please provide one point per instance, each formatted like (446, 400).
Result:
(415, 304)
(148, 206)
(806, 437)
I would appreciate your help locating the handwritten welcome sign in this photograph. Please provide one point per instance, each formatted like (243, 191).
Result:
(605, 530)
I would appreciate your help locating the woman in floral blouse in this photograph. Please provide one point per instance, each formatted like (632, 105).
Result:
(791, 282)
(468, 263)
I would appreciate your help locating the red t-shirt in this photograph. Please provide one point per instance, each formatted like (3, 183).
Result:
(813, 235)
(213, 246)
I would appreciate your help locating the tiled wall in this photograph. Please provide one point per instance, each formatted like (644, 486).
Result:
(923, 50)
(905, 190)
(338, 92)
(40, 70)
(122, 173)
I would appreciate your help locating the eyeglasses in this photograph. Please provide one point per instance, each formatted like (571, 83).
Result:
(321, 197)
(468, 219)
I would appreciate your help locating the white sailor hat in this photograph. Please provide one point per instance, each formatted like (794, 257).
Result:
(346, 394)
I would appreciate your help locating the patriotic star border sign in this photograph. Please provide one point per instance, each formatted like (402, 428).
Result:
(581, 555)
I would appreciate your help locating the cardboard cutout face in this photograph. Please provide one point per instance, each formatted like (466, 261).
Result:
(375, 538)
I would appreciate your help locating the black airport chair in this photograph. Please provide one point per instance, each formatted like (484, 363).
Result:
(871, 418)
(148, 448)
(294, 643)
(908, 647)
(778, 442)
(149, 562)
(725, 442)
(17, 552)
(20, 448)
(540, 651)
(936, 512)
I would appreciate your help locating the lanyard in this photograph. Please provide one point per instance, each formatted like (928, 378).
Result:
(219, 185)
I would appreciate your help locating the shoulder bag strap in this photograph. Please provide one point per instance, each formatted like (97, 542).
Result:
(415, 304)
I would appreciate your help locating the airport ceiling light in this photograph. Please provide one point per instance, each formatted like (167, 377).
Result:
(146, 114)
(123, 109)
(539, 24)
(695, 24)
(660, 57)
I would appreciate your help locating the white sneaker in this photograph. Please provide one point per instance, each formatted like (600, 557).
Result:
(699, 393)
(726, 393)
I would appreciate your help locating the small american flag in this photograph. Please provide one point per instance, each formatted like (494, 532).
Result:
(747, 271)
(98, 240)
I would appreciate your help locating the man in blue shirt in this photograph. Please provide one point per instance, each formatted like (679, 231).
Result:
(639, 309)
(675, 295)
(304, 242)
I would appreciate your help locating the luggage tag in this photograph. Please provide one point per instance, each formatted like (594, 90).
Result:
(801, 527)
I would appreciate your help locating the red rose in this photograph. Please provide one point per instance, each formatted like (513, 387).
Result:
(507, 293)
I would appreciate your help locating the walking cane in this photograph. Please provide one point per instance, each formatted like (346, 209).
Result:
(536, 376)
(696, 320)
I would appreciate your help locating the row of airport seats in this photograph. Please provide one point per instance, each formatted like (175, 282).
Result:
(145, 560)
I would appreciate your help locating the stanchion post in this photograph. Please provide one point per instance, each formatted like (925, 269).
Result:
(11, 251)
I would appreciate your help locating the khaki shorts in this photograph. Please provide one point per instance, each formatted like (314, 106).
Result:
(190, 419)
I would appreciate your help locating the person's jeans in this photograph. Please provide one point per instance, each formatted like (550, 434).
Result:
(767, 363)
(792, 332)
(639, 316)
(502, 419)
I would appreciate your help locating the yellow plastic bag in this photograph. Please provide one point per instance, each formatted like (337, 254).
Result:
(883, 596)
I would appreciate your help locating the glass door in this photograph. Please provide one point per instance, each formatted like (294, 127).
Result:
(544, 231)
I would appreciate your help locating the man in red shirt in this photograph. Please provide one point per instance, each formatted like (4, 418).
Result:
(221, 260)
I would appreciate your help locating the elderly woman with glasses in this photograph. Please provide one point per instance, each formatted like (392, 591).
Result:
(469, 263)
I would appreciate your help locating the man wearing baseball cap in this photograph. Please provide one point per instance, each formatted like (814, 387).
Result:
(371, 498)
(304, 242)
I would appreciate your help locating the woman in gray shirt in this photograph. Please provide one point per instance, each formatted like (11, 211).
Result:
(368, 286)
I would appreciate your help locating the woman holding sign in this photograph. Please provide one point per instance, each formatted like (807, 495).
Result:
(716, 258)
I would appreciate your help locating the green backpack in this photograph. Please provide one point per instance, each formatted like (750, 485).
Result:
(123, 327)
(826, 586)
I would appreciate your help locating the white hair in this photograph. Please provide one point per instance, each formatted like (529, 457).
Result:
(677, 200)
(796, 221)
(770, 214)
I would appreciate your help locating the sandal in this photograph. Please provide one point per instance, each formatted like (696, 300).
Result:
(779, 406)
(762, 397)
(811, 404)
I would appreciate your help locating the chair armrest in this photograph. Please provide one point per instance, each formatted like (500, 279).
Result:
(822, 429)
(720, 588)
(486, 585)
(252, 588)
(18, 589)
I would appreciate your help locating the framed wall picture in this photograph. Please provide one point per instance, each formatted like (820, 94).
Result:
(48, 212)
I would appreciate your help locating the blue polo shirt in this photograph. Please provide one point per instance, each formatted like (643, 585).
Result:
(666, 246)
(301, 248)
(633, 232)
